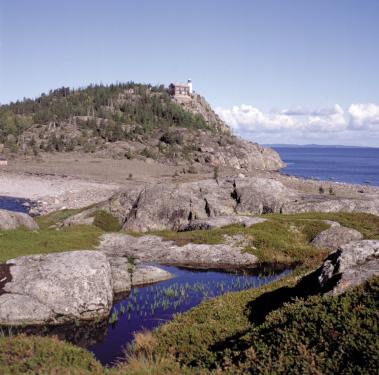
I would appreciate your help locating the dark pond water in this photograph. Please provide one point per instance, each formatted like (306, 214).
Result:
(148, 307)
(14, 204)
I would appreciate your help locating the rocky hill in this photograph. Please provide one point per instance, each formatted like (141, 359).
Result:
(129, 121)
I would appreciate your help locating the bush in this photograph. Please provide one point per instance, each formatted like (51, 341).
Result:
(148, 153)
(43, 355)
(106, 221)
(215, 172)
(321, 335)
(171, 138)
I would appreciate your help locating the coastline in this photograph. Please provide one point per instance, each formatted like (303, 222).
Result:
(47, 193)
(70, 181)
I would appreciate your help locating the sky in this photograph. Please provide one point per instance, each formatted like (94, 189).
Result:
(277, 71)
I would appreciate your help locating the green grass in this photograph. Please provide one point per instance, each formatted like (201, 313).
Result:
(367, 224)
(56, 217)
(275, 241)
(19, 242)
(283, 238)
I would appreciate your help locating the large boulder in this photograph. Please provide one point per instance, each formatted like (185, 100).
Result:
(350, 265)
(56, 288)
(13, 220)
(126, 274)
(336, 236)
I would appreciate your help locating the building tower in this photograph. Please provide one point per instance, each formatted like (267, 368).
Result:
(189, 83)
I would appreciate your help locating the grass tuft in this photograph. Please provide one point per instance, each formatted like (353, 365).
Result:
(106, 221)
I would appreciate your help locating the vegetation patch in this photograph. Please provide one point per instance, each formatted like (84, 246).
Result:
(56, 217)
(106, 221)
(19, 242)
(282, 239)
(321, 335)
(41, 355)
(367, 224)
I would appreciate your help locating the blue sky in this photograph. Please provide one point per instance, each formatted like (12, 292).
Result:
(283, 71)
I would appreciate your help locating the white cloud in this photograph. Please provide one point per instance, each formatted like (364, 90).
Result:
(356, 125)
(364, 116)
(301, 111)
(247, 118)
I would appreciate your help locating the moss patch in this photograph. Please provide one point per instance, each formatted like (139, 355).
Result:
(19, 242)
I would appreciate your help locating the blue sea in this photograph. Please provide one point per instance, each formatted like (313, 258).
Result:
(343, 164)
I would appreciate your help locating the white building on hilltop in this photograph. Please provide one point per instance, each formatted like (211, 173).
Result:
(176, 89)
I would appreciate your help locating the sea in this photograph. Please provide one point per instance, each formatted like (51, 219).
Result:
(355, 165)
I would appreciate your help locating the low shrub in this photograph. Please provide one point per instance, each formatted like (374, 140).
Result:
(106, 221)
(42, 355)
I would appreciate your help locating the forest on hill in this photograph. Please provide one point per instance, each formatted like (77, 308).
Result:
(113, 112)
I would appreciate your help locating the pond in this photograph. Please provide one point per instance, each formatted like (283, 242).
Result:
(148, 307)
(14, 204)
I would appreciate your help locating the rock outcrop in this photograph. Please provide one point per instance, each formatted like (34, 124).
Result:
(13, 220)
(175, 206)
(155, 249)
(336, 236)
(172, 206)
(125, 274)
(222, 221)
(56, 288)
(61, 288)
(349, 266)
(330, 204)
